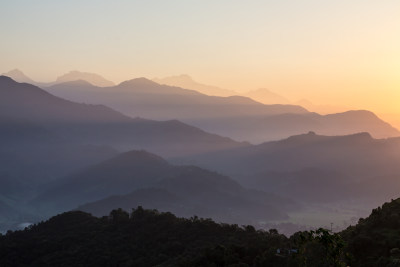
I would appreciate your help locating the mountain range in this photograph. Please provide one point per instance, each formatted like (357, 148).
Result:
(100, 125)
(43, 138)
(185, 81)
(142, 178)
(314, 168)
(140, 97)
(237, 117)
(93, 78)
(52, 148)
(261, 95)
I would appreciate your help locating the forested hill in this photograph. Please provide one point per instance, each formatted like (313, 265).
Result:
(375, 241)
(144, 238)
(151, 238)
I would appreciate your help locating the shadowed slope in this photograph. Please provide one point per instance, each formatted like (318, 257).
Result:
(97, 124)
(186, 190)
(315, 168)
(238, 117)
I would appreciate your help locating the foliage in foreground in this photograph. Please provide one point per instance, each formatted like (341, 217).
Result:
(375, 241)
(151, 238)
(144, 238)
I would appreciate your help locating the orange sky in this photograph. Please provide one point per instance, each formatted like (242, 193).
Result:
(329, 52)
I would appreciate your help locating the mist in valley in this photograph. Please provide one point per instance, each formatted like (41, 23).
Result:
(199, 134)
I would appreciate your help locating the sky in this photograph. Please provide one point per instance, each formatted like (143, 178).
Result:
(339, 52)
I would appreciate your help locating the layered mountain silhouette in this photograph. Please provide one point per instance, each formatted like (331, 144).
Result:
(37, 132)
(311, 167)
(92, 78)
(100, 125)
(142, 178)
(185, 81)
(237, 117)
(43, 137)
(19, 76)
(145, 98)
(261, 95)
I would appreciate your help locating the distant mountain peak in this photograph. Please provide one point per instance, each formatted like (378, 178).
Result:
(187, 82)
(18, 76)
(138, 81)
(92, 78)
(16, 71)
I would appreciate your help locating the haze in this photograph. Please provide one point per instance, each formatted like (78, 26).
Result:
(325, 52)
(128, 127)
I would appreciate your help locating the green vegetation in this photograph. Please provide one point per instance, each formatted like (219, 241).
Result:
(375, 241)
(151, 238)
(144, 238)
(320, 248)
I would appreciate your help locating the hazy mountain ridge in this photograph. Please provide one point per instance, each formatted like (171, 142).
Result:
(185, 81)
(237, 117)
(92, 78)
(145, 98)
(352, 161)
(44, 137)
(26, 101)
(261, 95)
(97, 124)
(83, 92)
(186, 190)
(315, 168)
(19, 76)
